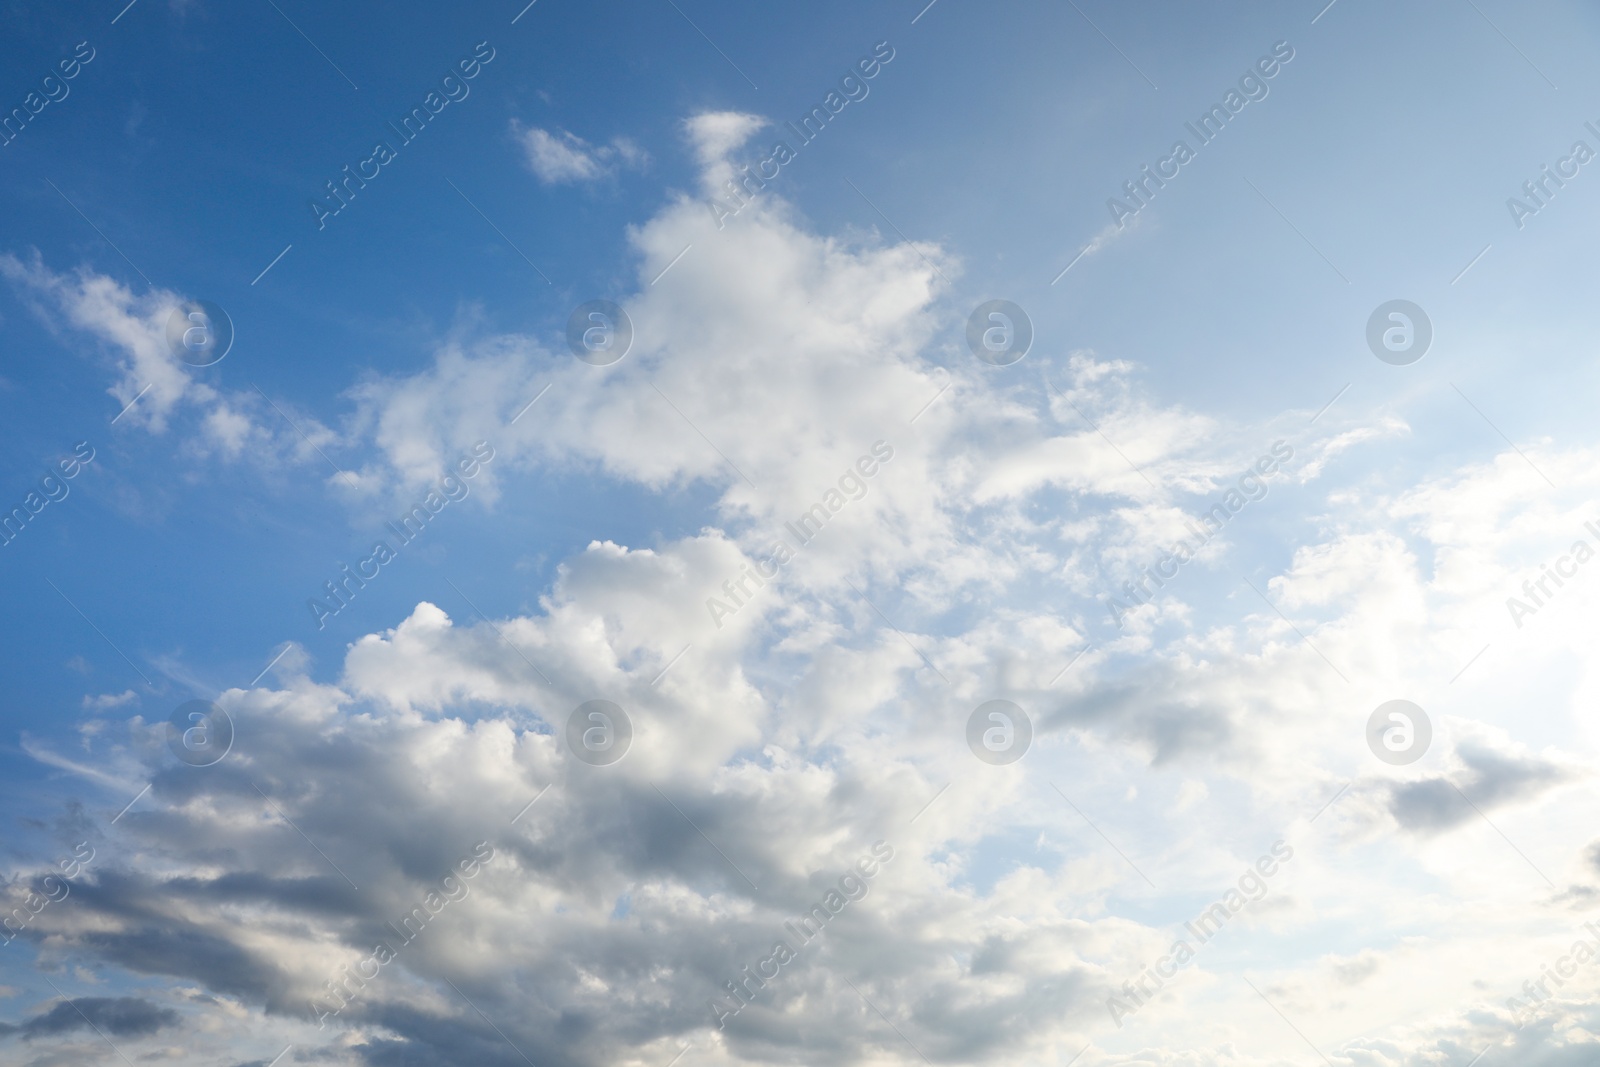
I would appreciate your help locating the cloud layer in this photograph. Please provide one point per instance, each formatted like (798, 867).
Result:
(625, 908)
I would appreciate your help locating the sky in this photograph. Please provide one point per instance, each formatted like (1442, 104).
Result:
(681, 534)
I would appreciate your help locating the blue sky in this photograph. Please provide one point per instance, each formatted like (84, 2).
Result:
(823, 323)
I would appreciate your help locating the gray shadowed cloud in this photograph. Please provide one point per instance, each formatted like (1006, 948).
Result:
(116, 1016)
(1585, 893)
(1153, 714)
(581, 991)
(1493, 779)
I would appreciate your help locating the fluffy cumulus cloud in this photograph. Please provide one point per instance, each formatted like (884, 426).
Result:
(799, 858)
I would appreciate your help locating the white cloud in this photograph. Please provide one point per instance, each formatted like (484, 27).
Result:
(563, 158)
(154, 389)
(134, 326)
(106, 701)
(782, 744)
(713, 136)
